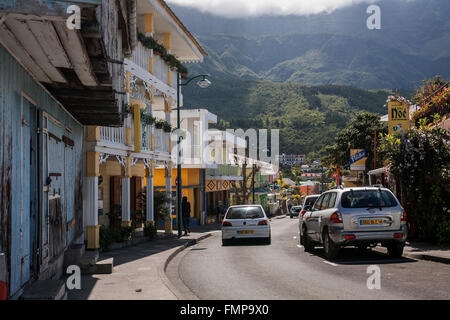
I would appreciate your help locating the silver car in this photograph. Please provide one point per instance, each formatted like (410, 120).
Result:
(361, 217)
(244, 222)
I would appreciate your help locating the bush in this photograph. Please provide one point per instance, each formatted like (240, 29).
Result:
(443, 232)
(150, 231)
(419, 163)
(108, 237)
(125, 233)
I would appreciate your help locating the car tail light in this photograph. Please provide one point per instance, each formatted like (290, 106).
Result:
(398, 235)
(262, 223)
(3, 290)
(350, 237)
(336, 217)
(404, 216)
(303, 212)
(226, 224)
(3, 277)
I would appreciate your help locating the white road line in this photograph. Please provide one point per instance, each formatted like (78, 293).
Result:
(331, 263)
(294, 237)
(299, 246)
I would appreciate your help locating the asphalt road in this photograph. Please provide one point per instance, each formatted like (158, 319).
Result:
(283, 270)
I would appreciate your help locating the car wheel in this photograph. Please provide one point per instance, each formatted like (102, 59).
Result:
(225, 242)
(291, 216)
(331, 249)
(268, 240)
(307, 243)
(395, 250)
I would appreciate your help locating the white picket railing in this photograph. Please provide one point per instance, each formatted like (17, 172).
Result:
(147, 138)
(160, 69)
(113, 135)
(141, 55)
(162, 141)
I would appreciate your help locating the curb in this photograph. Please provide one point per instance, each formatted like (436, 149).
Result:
(162, 268)
(428, 257)
(423, 256)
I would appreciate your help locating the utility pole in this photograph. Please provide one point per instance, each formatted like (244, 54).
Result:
(253, 182)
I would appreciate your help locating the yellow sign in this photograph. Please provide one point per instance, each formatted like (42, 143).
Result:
(398, 117)
(358, 159)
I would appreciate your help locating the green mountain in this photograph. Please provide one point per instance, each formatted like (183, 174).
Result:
(337, 48)
(301, 74)
(308, 116)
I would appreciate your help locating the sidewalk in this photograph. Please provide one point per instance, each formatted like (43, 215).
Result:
(425, 251)
(139, 271)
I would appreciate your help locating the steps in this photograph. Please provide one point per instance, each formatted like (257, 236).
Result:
(87, 260)
(45, 290)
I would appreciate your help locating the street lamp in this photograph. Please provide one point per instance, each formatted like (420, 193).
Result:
(204, 83)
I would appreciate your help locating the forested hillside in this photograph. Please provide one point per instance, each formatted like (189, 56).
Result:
(308, 116)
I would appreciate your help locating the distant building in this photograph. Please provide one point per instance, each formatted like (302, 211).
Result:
(291, 159)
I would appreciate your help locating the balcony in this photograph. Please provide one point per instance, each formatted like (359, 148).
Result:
(161, 69)
(162, 141)
(113, 135)
(162, 144)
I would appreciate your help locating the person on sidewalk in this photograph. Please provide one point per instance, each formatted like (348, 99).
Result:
(186, 212)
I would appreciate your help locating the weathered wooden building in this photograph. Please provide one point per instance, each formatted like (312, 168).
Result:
(54, 80)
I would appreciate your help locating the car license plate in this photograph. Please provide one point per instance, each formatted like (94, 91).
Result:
(245, 231)
(371, 222)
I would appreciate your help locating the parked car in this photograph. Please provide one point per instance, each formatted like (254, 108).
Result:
(295, 211)
(361, 217)
(244, 222)
(308, 203)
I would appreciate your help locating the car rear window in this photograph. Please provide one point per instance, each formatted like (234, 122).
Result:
(368, 199)
(310, 201)
(245, 213)
(296, 209)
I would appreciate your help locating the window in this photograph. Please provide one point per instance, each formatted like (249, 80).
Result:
(244, 213)
(325, 201)
(310, 201)
(368, 199)
(332, 201)
(318, 204)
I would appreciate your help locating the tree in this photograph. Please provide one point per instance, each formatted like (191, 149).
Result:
(433, 98)
(160, 202)
(359, 134)
(420, 165)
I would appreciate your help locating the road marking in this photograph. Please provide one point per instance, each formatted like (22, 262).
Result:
(299, 246)
(331, 263)
(294, 237)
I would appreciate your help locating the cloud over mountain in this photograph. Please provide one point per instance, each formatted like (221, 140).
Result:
(252, 8)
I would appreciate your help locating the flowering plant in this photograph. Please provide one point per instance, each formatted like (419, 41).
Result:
(397, 98)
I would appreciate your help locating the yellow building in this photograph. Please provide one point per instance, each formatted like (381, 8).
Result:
(121, 161)
(206, 173)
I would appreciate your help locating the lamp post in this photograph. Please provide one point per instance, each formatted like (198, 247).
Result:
(204, 83)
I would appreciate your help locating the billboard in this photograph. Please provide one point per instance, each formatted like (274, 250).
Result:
(398, 117)
(358, 159)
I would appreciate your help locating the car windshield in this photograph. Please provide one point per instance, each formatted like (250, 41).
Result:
(368, 199)
(245, 213)
(296, 209)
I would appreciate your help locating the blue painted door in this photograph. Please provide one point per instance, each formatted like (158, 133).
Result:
(24, 219)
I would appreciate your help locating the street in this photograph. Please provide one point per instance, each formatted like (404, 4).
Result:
(282, 270)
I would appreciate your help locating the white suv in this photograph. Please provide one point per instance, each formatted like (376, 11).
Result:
(361, 217)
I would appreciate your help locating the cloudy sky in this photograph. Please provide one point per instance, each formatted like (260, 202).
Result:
(251, 8)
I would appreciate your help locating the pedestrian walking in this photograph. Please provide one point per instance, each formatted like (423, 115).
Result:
(218, 212)
(186, 213)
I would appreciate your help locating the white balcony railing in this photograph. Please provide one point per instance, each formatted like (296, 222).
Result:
(160, 69)
(147, 138)
(113, 135)
(162, 141)
(141, 55)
